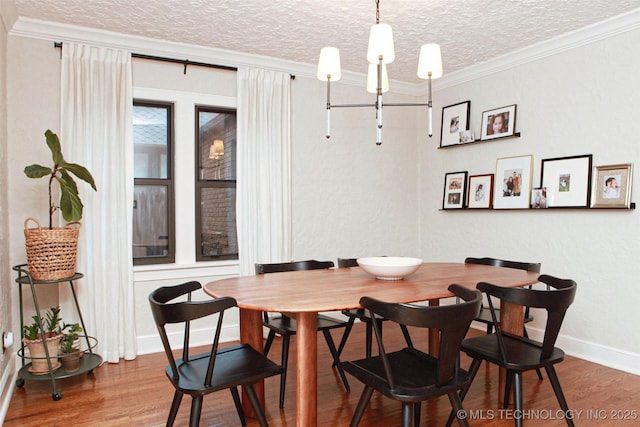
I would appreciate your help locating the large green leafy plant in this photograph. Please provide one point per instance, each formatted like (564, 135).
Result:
(70, 205)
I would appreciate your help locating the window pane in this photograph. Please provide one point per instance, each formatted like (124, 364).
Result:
(151, 135)
(218, 223)
(217, 145)
(150, 222)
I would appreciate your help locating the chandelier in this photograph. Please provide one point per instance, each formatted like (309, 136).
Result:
(379, 53)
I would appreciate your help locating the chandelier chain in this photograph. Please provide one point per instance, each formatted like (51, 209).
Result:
(377, 11)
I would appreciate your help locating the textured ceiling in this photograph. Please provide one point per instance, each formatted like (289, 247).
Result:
(469, 31)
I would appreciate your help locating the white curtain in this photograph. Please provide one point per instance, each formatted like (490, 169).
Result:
(263, 203)
(97, 132)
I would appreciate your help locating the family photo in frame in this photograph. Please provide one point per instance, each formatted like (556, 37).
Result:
(455, 190)
(612, 186)
(512, 182)
(568, 181)
(480, 192)
(455, 119)
(498, 123)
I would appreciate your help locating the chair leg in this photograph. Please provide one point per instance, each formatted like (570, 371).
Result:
(407, 414)
(255, 403)
(365, 397)
(336, 359)
(267, 344)
(456, 404)
(526, 335)
(238, 403)
(507, 390)
(517, 398)
(369, 339)
(196, 409)
(473, 370)
(343, 340)
(407, 337)
(175, 405)
(285, 362)
(557, 389)
(417, 408)
(489, 328)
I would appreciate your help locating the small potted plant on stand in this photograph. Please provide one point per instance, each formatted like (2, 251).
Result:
(70, 353)
(51, 252)
(35, 342)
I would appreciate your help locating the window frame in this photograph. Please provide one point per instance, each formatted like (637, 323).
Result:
(168, 182)
(201, 183)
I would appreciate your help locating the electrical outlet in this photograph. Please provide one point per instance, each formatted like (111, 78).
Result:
(7, 340)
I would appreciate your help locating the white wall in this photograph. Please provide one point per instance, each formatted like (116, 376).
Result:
(580, 101)
(353, 198)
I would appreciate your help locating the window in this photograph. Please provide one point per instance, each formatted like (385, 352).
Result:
(216, 237)
(153, 202)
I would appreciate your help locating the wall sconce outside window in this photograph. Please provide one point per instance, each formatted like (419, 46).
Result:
(217, 149)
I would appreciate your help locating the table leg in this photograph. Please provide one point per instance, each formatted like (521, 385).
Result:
(251, 333)
(307, 373)
(512, 321)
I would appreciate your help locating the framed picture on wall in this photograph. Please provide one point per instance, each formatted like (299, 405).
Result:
(539, 198)
(480, 191)
(455, 118)
(567, 180)
(612, 186)
(498, 123)
(512, 182)
(455, 190)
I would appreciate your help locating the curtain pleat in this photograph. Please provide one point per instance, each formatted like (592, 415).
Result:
(97, 132)
(263, 203)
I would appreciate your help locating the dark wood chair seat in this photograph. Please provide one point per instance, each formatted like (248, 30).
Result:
(410, 375)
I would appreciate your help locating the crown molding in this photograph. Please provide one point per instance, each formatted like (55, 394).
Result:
(47, 30)
(612, 27)
(57, 32)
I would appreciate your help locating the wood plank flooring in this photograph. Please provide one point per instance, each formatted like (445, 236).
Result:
(137, 393)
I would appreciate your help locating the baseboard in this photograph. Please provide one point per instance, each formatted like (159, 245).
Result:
(7, 386)
(602, 355)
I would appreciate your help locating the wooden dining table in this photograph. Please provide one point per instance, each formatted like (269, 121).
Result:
(303, 294)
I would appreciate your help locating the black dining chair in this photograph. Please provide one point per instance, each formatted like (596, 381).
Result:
(364, 317)
(485, 313)
(410, 375)
(217, 369)
(520, 354)
(286, 327)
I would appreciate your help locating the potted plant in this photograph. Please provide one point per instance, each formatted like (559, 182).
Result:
(51, 252)
(69, 347)
(35, 342)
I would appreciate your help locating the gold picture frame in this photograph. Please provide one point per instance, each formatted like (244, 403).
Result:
(612, 186)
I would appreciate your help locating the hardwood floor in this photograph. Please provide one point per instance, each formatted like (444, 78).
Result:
(137, 393)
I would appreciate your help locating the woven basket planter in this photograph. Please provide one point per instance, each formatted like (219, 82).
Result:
(51, 253)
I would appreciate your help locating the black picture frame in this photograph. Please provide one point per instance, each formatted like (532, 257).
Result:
(567, 181)
(455, 118)
(455, 190)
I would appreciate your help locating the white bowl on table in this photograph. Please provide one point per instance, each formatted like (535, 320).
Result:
(390, 267)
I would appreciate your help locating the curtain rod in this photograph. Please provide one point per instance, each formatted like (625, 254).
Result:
(184, 62)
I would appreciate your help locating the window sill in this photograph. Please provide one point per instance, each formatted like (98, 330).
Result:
(189, 271)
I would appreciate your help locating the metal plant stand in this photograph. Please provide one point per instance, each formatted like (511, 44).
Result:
(89, 359)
